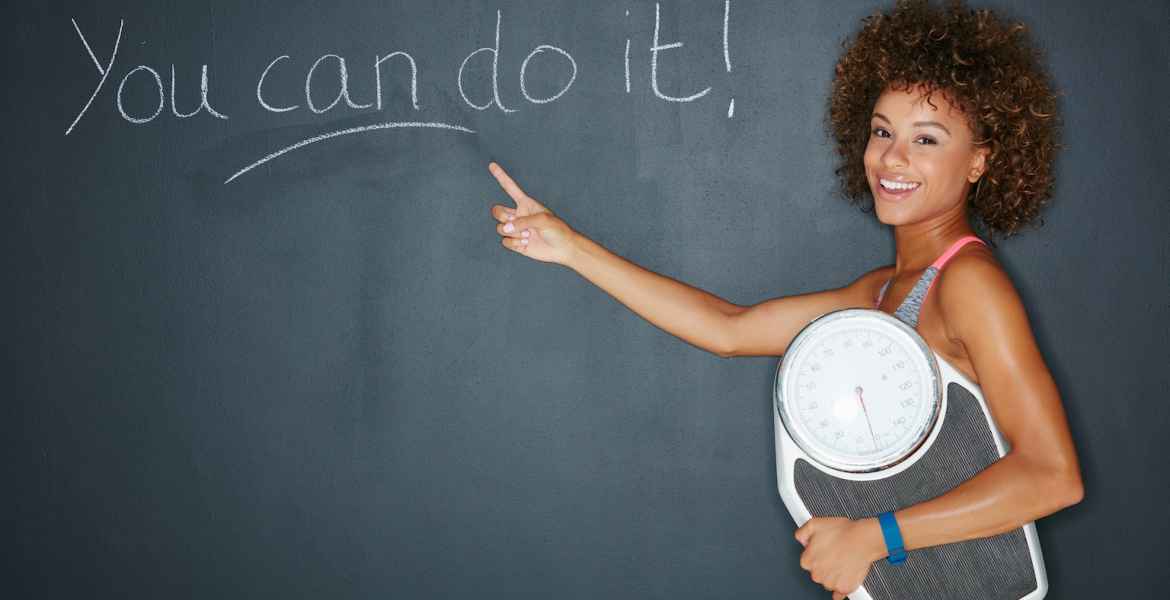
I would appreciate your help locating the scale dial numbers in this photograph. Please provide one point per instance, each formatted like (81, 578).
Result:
(859, 395)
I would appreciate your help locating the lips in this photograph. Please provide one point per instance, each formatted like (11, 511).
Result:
(893, 189)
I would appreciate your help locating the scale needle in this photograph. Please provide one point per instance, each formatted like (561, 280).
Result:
(867, 421)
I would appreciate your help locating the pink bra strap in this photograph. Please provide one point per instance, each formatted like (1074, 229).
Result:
(942, 260)
(937, 264)
(959, 243)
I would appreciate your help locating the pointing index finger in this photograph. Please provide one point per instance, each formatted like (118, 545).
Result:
(506, 182)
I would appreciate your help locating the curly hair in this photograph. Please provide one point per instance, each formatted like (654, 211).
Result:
(986, 67)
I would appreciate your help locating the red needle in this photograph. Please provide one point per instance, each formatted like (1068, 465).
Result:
(867, 421)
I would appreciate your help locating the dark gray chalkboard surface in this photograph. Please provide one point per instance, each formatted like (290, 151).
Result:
(264, 353)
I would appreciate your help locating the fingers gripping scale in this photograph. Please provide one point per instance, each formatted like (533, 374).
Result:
(869, 419)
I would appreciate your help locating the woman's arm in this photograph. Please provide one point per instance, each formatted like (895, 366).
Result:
(705, 320)
(767, 328)
(687, 312)
(1040, 474)
(1037, 477)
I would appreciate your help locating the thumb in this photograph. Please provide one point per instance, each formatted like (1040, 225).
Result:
(804, 533)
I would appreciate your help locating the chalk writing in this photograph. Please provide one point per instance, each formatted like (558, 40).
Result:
(524, 66)
(413, 76)
(104, 72)
(161, 94)
(203, 103)
(332, 69)
(343, 92)
(260, 89)
(333, 134)
(654, 50)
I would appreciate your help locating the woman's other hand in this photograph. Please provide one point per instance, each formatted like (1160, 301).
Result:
(838, 552)
(530, 228)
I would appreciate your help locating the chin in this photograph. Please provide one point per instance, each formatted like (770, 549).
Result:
(893, 212)
(885, 218)
(882, 211)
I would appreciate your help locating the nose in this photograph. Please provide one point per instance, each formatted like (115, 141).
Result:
(895, 156)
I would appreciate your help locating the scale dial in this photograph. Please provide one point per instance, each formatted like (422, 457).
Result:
(858, 390)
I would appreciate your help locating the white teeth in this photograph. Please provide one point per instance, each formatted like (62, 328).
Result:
(894, 185)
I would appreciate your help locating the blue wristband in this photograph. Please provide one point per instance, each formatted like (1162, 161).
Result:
(893, 537)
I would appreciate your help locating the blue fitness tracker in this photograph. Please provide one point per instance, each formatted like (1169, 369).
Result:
(893, 537)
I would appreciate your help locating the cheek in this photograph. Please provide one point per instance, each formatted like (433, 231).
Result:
(943, 173)
(872, 157)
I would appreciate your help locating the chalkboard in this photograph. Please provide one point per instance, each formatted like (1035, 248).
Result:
(262, 340)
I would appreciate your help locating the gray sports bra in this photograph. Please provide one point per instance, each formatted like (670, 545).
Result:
(910, 307)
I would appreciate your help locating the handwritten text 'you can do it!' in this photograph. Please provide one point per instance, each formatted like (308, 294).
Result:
(333, 70)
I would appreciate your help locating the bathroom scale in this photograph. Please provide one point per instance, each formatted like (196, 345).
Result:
(869, 419)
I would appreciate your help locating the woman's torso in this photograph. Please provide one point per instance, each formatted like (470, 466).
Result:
(926, 318)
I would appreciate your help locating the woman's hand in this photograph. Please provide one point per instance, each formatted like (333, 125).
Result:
(530, 228)
(838, 551)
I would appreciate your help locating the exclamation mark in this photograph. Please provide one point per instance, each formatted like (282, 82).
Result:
(627, 55)
(727, 52)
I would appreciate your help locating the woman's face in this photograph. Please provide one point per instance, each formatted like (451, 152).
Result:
(920, 160)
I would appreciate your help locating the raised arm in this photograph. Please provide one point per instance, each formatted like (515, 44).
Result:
(698, 317)
(767, 328)
(687, 312)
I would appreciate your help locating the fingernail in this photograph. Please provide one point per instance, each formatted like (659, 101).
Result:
(525, 234)
(509, 227)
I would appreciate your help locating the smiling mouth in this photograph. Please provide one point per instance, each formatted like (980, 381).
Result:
(897, 189)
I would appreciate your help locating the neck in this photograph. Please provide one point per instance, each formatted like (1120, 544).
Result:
(919, 244)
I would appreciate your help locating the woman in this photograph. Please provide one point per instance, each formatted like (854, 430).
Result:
(939, 115)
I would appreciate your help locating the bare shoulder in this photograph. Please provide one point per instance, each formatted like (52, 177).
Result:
(977, 297)
(873, 278)
(869, 284)
(878, 275)
(983, 311)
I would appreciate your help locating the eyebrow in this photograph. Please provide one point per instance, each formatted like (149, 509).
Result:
(917, 123)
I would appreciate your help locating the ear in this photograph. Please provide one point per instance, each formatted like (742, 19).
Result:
(978, 163)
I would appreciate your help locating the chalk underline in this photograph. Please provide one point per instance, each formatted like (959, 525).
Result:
(341, 132)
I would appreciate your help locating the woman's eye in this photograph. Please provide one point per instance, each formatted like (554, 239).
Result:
(926, 141)
(879, 132)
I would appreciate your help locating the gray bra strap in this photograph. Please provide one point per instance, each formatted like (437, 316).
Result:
(908, 311)
(912, 305)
